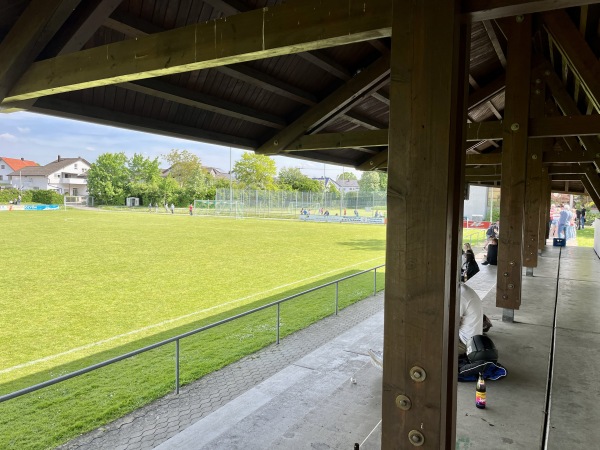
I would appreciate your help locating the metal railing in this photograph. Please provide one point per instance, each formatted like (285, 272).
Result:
(177, 338)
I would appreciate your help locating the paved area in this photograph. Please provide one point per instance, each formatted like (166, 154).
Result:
(149, 426)
(318, 390)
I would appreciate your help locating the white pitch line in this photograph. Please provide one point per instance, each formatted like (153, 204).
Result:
(166, 322)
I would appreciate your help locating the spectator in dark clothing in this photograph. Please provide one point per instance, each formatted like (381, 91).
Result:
(492, 253)
(470, 267)
(583, 211)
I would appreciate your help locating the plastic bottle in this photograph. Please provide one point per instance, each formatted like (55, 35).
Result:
(480, 392)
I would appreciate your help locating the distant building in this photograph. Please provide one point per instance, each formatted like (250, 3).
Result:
(10, 165)
(341, 185)
(212, 171)
(64, 175)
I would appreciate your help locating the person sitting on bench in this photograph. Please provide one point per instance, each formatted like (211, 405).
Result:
(471, 317)
(470, 266)
(492, 253)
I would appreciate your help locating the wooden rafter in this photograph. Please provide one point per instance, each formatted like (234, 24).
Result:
(28, 37)
(477, 10)
(569, 107)
(181, 95)
(228, 7)
(326, 141)
(91, 16)
(217, 43)
(575, 49)
(330, 106)
(70, 110)
(494, 38)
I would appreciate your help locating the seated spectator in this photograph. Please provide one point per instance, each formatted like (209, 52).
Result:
(492, 253)
(471, 317)
(470, 266)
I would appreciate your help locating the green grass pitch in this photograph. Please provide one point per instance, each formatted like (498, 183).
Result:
(82, 286)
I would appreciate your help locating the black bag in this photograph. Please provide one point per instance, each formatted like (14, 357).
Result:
(481, 348)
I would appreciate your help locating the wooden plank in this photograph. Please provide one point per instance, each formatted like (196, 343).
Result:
(514, 164)
(195, 99)
(477, 10)
(542, 127)
(553, 157)
(533, 185)
(354, 88)
(28, 37)
(484, 159)
(483, 171)
(477, 131)
(228, 7)
(427, 119)
(565, 126)
(324, 141)
(575, 49)
(363, 121)
(593, 178)
(293, 27)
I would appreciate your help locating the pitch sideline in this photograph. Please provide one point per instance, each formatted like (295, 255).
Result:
(166, 322)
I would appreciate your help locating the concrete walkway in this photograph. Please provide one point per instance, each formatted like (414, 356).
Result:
(318, 389)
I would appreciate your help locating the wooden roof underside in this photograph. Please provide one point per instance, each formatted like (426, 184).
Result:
(304, 78)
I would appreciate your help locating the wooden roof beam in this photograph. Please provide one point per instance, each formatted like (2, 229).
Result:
(560, 126)
(29, 35)
(477, 10)
(134, 27)
(183, 96)
(326, 141)
(487, 92)
(292, 27)
(87, 19)
(493, 35)
(228, 7)
(363, 121)
(330, 106)
(484, 159)
(575, 49)
(72, 110)
(375, 162)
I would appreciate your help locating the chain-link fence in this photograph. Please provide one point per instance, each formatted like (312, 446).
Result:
(288, 204)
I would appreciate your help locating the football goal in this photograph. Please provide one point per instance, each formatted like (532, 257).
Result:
(222, 208)
(74, 201)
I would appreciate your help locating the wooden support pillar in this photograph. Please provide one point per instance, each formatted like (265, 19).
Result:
(533, 186)
(514, 158)
(425, 176)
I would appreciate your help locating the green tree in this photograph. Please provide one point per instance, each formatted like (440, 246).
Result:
(108, 178)
(346, 176)
(144, 178)
(369, 182)
(185, 166)
(291, 178)
(255, 171)
(383, 180)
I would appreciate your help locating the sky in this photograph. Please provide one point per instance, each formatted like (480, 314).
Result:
(42, 138)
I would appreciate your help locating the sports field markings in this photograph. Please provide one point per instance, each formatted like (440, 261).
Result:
(175, 319)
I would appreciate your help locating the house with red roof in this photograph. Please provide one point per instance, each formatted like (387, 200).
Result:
(64, 175)
(10, 165)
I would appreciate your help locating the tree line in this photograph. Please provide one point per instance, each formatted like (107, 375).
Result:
(114, 177)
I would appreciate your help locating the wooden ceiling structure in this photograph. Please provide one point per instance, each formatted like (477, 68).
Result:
(490, 92)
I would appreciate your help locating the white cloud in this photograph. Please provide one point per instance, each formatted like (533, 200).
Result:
(90, 149)
(24, 130)
(8, 137)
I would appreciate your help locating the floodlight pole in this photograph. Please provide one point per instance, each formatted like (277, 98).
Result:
(230, 183)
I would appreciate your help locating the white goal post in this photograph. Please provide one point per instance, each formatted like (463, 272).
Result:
(82, 200)
(222, 208)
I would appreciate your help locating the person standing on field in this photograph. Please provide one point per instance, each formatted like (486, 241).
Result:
(172, 208)
(191, 209)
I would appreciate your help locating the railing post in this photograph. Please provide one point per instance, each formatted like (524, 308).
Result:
(337, 292)
(278, 315)
(375, 281)
(177, 366)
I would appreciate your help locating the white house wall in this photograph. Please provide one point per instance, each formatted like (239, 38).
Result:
(477, 203)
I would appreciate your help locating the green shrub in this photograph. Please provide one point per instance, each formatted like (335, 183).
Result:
(46, 197)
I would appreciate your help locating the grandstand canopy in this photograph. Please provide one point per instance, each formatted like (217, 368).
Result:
(496, 92)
